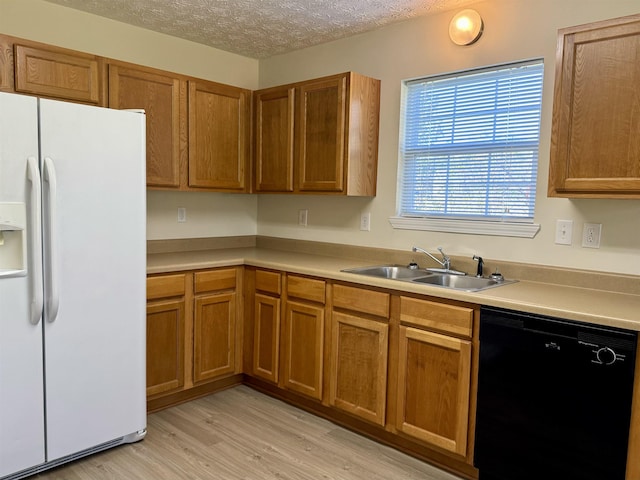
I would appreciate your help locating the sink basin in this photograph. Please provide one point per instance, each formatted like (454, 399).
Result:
(444, 280)
(394, 272)
(459, 282)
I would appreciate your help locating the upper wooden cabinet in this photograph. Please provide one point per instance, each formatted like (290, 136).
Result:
(38, 69)
(219, 136)
(318, 136)
(163, 97)
(595, 145)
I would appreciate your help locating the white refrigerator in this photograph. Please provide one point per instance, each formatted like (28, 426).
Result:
(72, 281)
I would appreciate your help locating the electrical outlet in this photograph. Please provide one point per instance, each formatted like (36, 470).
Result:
(182, 215)
(591, 235)
(564, 232)
(365, 222)
(302, 217)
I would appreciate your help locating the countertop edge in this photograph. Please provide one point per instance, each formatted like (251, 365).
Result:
(574, 303)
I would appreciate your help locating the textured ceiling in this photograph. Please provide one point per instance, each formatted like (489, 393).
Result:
(261, 28)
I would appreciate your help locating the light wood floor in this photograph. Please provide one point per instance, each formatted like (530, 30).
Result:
(240, 434)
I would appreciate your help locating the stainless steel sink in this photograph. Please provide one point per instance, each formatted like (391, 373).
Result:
(462, 282)
(444, 280)
(394, 272)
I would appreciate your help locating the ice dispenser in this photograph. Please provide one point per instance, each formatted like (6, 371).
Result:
(13, 246)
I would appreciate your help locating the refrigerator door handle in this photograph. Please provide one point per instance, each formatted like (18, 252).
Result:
(37, 300)
(53, 297)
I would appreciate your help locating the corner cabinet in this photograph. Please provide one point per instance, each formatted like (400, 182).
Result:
(595, 145)
(319, 136)
(194, 334)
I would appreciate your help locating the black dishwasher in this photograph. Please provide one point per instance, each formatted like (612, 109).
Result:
(554, 398)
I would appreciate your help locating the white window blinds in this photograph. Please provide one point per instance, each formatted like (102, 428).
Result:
(469, 144)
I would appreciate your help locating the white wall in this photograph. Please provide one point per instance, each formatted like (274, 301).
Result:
(208, 214)
(514, 30)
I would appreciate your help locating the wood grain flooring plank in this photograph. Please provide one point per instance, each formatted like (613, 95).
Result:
(241, 434)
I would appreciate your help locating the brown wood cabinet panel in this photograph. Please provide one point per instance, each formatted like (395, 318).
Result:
(306, 288)
(304, 348)
(321, 127)
(219, 132)
(595, 146)
(437, 316)
(212, 280)
(164, 286)
(214, 336)
(358, 375)
(6, 64)
(165, 346)
(269, 282)
(433, 388)
(274, 140)
(361, 300)
(57, 73)
(266, 337)
(163, 98)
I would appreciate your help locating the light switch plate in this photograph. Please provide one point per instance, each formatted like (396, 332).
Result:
(182, 215)
(564, 232)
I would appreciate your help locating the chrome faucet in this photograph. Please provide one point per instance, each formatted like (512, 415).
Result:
(445, 262)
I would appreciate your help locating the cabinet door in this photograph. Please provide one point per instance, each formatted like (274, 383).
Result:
(433, 388)
(214, 336)
(274, 147)
(304, 346)
(57, 73)
(165, 346)
(595, 146)
(266, 339)
(321, 135)
(163, 98)
(219, 120)
(358, 376)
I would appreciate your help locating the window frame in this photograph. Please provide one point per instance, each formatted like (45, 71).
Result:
(505, 226)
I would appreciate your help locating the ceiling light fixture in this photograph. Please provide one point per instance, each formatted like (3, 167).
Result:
(466, 27)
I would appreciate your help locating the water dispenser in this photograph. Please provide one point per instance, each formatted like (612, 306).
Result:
(13, 240)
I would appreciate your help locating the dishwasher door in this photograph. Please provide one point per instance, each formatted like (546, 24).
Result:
(554, 398)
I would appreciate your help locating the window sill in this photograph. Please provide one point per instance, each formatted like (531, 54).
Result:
(475, 227)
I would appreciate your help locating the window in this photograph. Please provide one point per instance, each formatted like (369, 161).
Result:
(469, 151)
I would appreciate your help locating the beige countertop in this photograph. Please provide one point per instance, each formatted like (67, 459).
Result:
(583, 304)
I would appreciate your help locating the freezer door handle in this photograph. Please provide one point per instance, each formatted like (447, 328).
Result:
(53, 295)
(37, 300)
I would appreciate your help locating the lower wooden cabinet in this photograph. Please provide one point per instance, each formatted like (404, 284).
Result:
(434, 373)
(359, 352)
(192, 332)
(303, 336)
(165, 333)
(433, 395)
(303, 348)
(266, 329)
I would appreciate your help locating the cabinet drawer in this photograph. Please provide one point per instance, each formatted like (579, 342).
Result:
(165, 286)
(268, 282)
(361, 300)
(306, 288)
(212, 280)
(437, 316)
